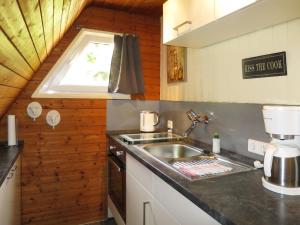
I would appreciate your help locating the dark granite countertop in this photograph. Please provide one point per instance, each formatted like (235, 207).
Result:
(8, 156)
(236, 199)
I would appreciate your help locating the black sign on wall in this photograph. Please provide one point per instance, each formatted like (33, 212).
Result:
(265, 66)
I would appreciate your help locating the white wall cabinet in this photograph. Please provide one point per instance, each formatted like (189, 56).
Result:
(181, 16)
(151, 201)
(225, 7)
(176, 19)
(200, 23)
(10, 197)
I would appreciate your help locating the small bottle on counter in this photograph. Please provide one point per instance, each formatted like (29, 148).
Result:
(170, 126)
(216, 143)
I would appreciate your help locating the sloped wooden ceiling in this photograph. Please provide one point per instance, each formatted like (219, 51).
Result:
(64, 170)
(29, 29)
(146, 7)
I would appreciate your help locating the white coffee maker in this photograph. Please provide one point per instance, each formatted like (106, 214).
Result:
(282, 156)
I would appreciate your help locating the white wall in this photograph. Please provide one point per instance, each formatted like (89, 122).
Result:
(214, 73)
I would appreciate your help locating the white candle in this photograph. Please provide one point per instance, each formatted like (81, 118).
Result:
(11, 130)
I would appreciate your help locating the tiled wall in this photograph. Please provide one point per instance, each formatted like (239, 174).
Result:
(125, 114)
(234, 122)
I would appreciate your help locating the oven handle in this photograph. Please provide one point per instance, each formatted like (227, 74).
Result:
(115, 164)
(144, 212)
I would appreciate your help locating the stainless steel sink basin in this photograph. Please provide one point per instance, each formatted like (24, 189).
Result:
(172, 151)
(179, 156)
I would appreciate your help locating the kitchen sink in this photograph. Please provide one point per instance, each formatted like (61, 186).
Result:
(192, 162)
(170, 151)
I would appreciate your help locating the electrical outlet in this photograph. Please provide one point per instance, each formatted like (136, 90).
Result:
(257, 147)
(170, 124)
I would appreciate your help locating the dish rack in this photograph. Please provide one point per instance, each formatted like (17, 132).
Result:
(205, 168)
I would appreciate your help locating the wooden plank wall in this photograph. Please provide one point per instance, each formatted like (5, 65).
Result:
(64, 170)
(149, 7)
(27, 35)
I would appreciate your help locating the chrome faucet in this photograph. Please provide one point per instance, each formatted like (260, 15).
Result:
(195, 118)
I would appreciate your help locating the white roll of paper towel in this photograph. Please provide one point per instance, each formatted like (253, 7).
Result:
(11, 130)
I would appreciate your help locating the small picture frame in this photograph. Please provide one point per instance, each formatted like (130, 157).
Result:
(176, 63)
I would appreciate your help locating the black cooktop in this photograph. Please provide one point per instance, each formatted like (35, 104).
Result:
(139, 138)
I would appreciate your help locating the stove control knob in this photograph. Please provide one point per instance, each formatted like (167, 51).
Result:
(111, 147)
(119, 153)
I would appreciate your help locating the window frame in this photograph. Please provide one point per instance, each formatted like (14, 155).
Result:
(50, 88)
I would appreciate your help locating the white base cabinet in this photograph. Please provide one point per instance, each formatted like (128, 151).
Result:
(10, 197)
(151, 201)
(142, 208)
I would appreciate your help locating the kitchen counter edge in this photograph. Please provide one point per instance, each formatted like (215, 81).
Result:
(8, 156)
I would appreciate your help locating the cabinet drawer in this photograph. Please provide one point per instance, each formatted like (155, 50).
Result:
(167, 205)
(138, 202)
(142, 208)
(161, 214)
(139, 172)
(180, 207)
(10, 197)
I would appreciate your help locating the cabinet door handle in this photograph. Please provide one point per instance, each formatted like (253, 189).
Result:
(144, 212)
(180, 25)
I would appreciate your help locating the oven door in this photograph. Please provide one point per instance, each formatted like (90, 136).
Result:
(117, 184)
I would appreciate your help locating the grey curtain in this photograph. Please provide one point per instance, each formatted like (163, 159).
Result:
(126, 75)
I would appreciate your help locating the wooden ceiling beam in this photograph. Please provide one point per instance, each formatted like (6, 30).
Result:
(146, 7)
(57, 16)
(29, 29)
(10, 78)
(12, 22)
(46, 7)
(71, 13)
(30, 11)
(11, 56)
(64, 16)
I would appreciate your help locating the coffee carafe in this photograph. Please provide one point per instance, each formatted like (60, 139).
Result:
(282, 156)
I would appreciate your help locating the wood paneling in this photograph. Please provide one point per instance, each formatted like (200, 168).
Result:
(46, 8)
(145, 27)
(30, 28)
(64, 16)
(27, 35)
(57, 15)
(32, 15)
(64, 170)
(147, 7)
(14, 26)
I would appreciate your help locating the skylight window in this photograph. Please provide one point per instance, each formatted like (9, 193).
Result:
(91, 67)
(83, 70)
